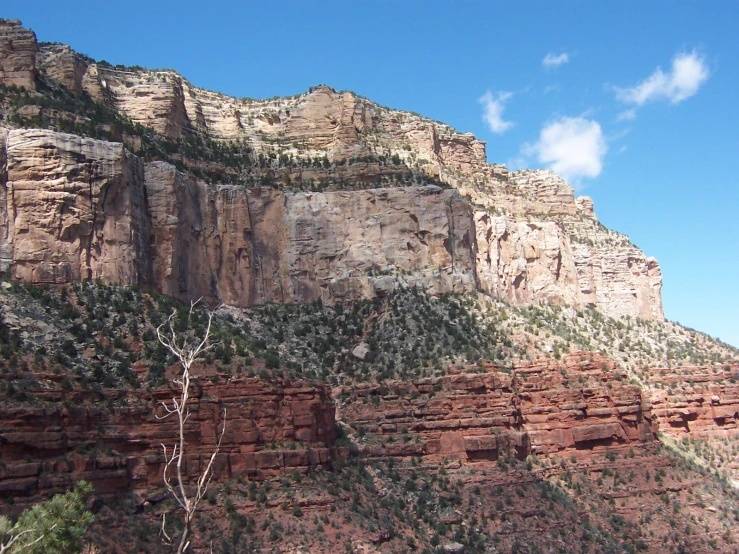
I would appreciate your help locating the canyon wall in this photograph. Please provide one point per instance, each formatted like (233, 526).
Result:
(576, 407)
(18, 49)
(271, 429)
(252, 246)
(75, 208)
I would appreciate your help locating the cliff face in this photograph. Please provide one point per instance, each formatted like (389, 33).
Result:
(18, 49)
(254, 246)
(80, 208)
(272, 428)
(77, 208)
(538, 409)
(576, 408)
(276, 428)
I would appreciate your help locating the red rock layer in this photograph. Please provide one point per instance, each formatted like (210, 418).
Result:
(115, 443)
(576, 405)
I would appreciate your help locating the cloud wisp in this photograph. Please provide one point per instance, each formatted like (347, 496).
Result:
(688, 73)
(492, 113)
(627, 115)
(573, 147)
(555, 60)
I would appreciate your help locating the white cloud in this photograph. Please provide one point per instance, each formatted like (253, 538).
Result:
(573, 147)
(689, 71)
(627, 115)
(555, 60)
(493, 107)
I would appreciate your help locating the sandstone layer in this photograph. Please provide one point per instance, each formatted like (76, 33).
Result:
(538, 409)
(575, 408)
(75, 209)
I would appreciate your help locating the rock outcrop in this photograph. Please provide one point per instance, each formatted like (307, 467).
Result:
(75, 209)
(18, 49)
(80, 208)
(538, 409)
(697, 401)
(60, 63)
(272, 428)
(246, 247)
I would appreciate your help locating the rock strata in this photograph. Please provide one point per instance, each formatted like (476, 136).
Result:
(272, 428)
(80, 208)
(18, 49)
(521, 235)
(538, 409)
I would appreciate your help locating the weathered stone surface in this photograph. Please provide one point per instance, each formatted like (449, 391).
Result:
(60, 63)
(525, 261)
(696, 400)
(259, 414)
(6, 256)
(540, 408)
(619, 281)
(245, 247)
(76, 209)
(158, 103)
(338, 240)
(17, 55)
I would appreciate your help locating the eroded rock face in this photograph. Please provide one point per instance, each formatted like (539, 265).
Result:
(525, 261)
(696, 401)
(580, 406)
(574, 407)
(522, 235)
(619, 281)
(6, 256)
(339, 241)
(263, 418)
(246, 247)
(75, 209)
(62, 64)
(17, 55)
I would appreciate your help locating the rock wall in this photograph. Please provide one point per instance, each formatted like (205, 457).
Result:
(76, 209)
(578, 405)
(6, 256)
(18, 49)
(246, 247)
(697, 401)
(271, 429)
(522, 236)
(60, 63)
(525, 261)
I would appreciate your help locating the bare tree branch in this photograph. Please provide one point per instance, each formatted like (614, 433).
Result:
(186, 349)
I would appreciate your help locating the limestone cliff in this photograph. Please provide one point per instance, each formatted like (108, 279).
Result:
(247, 247)
(521, 236)
(75, 209)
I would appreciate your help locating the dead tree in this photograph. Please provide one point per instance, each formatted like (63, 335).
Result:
(186, 347)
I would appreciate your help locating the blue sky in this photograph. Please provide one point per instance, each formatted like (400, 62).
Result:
(641, 113)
